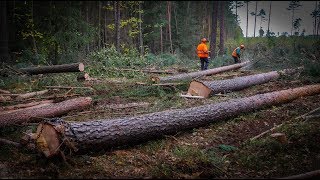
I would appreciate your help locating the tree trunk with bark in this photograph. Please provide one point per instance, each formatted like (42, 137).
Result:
(74, 67)
(140, 31)
(221, 18)
(99, 25)
(247, 18)
(101, 134)
(187, 76)
(161, 40)
(169, 25)
(51, 110)
(268, 32)
(117, 24)
(214, 29)
(4, 46)
(255, 20)
(207, 88)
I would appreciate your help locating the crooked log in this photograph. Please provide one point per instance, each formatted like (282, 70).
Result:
(94, 135)
(187, 76)
(47, 111)
(74, 67)
(207, 88)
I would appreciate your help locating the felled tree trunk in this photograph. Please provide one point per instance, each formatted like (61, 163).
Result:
(187, 76)
(50, 110)
(206, 88)
(31, 94)
(75, 67)
(103, 133)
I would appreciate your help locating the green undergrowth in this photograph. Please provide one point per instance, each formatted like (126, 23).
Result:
(275, 159)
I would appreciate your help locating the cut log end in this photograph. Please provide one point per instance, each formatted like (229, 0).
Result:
(196, 88)
(155, 79)
(81, 67)
(47, 139)
(83, 77)
(280, 137)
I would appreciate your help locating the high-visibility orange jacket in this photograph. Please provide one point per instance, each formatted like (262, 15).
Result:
(236, 52)
(202, 50)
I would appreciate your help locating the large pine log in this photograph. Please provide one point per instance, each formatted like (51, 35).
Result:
(104, 133)
(75, 67)
(50, 110)
(187, 76)
(206, 88)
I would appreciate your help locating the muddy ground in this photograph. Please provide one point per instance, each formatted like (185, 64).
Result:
(219, 150)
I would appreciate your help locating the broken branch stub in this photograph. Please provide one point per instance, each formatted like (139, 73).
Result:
(98, 134)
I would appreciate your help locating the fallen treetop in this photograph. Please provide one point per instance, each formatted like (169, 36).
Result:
(103, 133)
(206, 88)
(75, 67)
(187, 76)
(50, 110)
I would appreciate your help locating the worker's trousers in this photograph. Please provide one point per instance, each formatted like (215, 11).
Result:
(236, 60)
(204, 63)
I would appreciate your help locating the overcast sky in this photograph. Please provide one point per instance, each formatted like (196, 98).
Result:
(280, 17)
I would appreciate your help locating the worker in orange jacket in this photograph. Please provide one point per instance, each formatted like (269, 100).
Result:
(236, 54)
(203, 54)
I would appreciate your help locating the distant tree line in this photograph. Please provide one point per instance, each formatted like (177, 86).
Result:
(55, 32)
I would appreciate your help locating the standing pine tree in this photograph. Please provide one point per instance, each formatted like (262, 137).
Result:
(293, 5)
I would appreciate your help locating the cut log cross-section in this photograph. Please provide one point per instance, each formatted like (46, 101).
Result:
(187, 76)
(206, 88)
(94, 135)
(74, 67)
(45, 111)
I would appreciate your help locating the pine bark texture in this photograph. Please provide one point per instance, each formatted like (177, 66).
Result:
(51, 110)
(239, 83)
(74, 67)
(106, 133)
(187, 76)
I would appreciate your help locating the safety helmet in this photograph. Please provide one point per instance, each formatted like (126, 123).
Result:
(242, 46)
(204, 40)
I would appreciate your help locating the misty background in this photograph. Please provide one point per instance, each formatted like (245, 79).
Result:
(280, 17)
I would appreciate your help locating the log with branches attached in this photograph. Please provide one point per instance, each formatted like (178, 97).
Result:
(94, 135)
(46, 111)
(74, 67)
(187, 76)
(206, 88)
